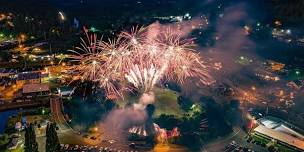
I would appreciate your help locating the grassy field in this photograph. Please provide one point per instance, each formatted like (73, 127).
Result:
(260, 139)
(284, 148)
(166, 102)
(264, 140)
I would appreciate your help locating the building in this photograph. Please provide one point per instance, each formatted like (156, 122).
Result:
(29, 77)
(281, 132)
(36, 89)
(7, 73)
(275, 66)
(65, 91)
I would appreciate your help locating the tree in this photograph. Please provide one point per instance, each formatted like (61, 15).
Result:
(167, 121)
(173, 86)
(184, 102)
(150, 110)
(218, 126)
(52, 141)
(30, 140)
(234, 104)
(149, 125)
(292, 9)
(3, 139)
(194, 129)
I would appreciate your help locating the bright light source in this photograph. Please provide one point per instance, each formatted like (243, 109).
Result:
(95, 129)
(61, 16)
(93, 29)
(258, 24)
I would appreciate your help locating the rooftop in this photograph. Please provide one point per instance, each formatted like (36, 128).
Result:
(281, 130)
(38, 87)
(286, 138)
(281, 126)
(28, 75)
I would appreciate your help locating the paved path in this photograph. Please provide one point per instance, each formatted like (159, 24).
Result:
(57, 115)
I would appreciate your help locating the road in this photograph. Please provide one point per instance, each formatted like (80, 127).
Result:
(238, 135)
(57, 115)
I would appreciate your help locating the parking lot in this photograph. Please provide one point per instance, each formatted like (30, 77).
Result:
(85, 148)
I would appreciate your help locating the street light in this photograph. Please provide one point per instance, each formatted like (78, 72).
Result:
(61, 16)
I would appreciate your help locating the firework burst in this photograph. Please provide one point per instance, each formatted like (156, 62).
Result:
(133, 61)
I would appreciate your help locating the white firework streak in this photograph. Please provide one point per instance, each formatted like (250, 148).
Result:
(132, 61)
(144, 79)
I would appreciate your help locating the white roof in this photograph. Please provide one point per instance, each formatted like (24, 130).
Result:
(283, 128)
(36, 87)
(280, 126)
(269, 123)
(286, 138)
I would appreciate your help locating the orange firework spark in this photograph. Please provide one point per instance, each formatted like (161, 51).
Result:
(134, 61)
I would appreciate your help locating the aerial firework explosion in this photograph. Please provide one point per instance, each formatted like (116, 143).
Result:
(133, 61)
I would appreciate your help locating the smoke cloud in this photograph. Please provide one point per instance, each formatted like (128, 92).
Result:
(230, 42)
(119, 120)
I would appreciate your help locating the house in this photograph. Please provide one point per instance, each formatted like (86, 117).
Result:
(29, 77)
(36, 89)
(7, 72)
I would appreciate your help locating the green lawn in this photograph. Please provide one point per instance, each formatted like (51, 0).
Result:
(166, 103)
(264, 140)
(260, 138)
(284, 148)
